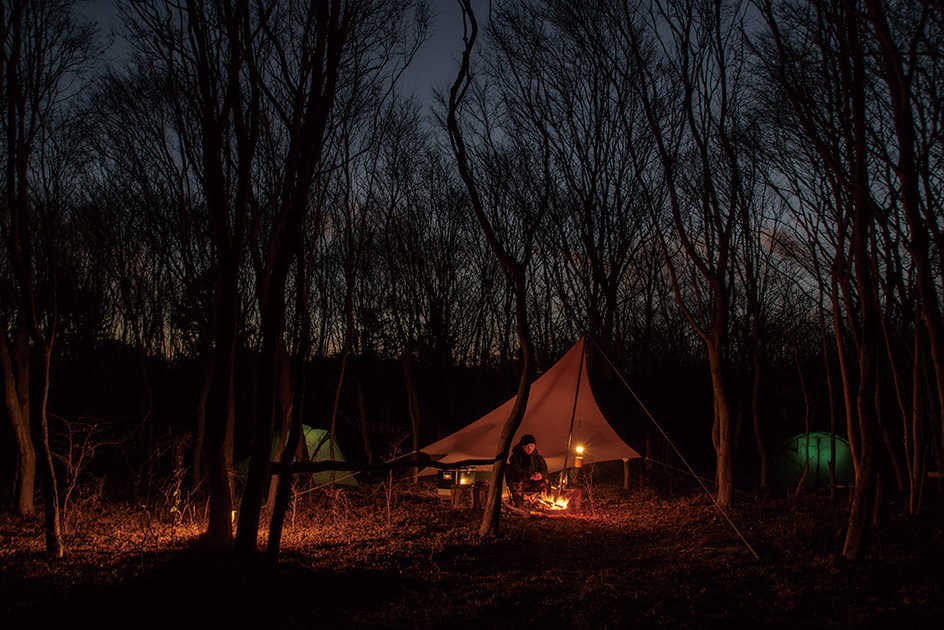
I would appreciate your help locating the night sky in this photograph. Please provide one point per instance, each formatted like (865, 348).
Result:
(433, 68)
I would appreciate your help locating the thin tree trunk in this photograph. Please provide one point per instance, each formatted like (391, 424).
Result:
(293, 406)
(755, 418)
(272, 305)
(831, 400)
(199, 430)
(490, 519)
(54, 543)
(864, 494)
(294, 443)
(219, 426)
(413, 405)
(334, 410)
(365, 435)
(146, 402)
(844, 368)
(900, 98)
(806, 423)
(915, 437)
(285, 426)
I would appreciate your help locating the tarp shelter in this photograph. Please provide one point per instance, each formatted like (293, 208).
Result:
(318, 444)
(792, 458)
(561, 400)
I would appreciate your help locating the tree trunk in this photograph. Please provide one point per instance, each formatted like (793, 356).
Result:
(864, 495)
(755, 418)
(365, 435)
(260, 463)
(514, 274)
(285, 403)
(831, 401)
(147, 439)
(293, 403)
(286, 478)
(915, 437)
(806, 424)
(18, 411)
(199, 430)
(900, 98)
(490, 518)
(723, 434)
(334, 409)
(220, 417)
(413, 405)
(54, 543)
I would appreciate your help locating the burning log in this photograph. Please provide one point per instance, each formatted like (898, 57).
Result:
(546, 501)
(567, 501)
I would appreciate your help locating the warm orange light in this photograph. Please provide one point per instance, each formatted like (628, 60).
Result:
(549, 502)
(580, 448)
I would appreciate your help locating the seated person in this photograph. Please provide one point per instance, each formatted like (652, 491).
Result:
(527, 470)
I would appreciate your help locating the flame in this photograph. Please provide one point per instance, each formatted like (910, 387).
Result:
(580, 449)
(549, 502)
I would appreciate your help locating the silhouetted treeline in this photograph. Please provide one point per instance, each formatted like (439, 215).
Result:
(245, 227)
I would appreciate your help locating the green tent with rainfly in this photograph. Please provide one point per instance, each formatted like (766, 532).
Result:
(792, 458)
(318, 445)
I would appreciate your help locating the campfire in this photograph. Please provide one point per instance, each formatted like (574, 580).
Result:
(545, 501)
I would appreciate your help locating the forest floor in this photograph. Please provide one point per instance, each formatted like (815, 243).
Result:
(366, 558)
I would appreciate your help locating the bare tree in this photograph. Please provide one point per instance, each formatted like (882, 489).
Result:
(147, 220)
(326, 58)
(43, 47)
(594, 148)
(900, 64)
(514, 267)
(830, 91)
(201, 48)
(692, 57)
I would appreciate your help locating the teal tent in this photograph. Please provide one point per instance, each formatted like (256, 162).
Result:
(318, 445)
(792, 458)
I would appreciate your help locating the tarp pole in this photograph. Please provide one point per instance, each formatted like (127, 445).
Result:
(573, 415)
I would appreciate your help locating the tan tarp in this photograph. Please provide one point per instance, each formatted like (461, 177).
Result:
(547, 418)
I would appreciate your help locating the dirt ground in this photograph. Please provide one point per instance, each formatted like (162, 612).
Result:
(369, 558)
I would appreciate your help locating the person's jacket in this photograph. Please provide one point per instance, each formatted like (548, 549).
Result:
(521, 465)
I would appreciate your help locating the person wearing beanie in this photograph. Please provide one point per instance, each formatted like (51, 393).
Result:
(527, 470)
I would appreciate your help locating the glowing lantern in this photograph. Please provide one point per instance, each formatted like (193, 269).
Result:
(580, 449)
(578, 463)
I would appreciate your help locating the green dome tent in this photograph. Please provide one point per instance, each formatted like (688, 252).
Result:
(792, 457)
(318, 445)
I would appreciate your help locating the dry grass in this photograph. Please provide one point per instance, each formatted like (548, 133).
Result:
(635, 559)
